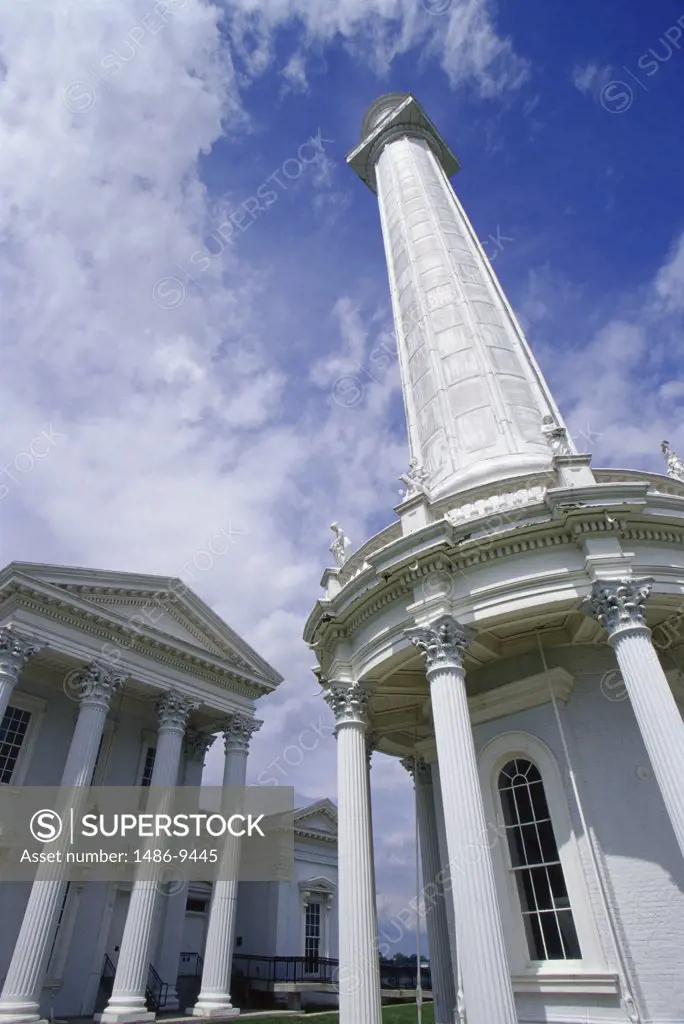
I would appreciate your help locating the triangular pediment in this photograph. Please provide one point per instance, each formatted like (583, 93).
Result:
(161, 608)
(320, 817)
(172, 624)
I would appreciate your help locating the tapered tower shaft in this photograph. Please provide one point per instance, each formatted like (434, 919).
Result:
(474, 396)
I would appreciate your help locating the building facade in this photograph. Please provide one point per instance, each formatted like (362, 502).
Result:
(514, 637)
(116, 679)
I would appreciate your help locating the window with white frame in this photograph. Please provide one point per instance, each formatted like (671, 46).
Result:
(312, 936)
(535, 863)
(13, 731)
(547, 914)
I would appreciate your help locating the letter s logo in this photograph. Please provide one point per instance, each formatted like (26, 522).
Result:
(46, 826)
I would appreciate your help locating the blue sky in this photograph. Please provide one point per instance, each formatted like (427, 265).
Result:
(131, 132)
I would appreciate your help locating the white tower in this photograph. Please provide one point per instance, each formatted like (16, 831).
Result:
(520, 627)
(475, 398)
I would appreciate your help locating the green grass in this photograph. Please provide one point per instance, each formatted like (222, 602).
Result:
(405, 1014)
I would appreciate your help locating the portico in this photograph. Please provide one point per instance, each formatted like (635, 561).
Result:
(135, 677)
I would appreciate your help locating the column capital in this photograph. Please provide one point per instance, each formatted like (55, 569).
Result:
(418, 769)
(441, 643)
(93, 685)
(196, 744)
(619, 604)
(349, 703)
(173, 709)
(238, 731)
(15, 651)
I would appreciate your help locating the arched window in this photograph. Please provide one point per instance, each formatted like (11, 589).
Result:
(535, 863)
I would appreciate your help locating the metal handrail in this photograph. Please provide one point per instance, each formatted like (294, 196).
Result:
(156, 991)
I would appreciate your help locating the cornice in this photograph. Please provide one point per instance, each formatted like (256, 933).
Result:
(154, 647)
(134, 599)
(314, 836)
(521, 695)
(98, 584)
(619, 508)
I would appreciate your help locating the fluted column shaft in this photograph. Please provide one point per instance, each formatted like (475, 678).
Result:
(445, 878)
(214, 999)
(443, 988)
(20, 999)
(359, 965)
(619, 607)
(487, 986)
(196, 746)
(15, 651)
(127, 1001)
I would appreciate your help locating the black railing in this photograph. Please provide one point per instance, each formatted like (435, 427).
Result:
(324, 970)
(156, 991)
(108, 969)
(404, 976)
(292, 969)
(190, 965)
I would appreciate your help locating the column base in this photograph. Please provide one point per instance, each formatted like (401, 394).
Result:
(213, 1010)
(8, 1017)
(123, 1016)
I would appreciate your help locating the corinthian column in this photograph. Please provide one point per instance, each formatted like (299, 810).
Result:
(441, 973)
(619, 607)
(359, 965)
(127, 1001)
(15, 651)
(196, 746)
(20, 999)
(214, 998)
(486, 977)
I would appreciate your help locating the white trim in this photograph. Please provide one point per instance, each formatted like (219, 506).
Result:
(319, 890)
(567, 975)
(521, 695)
(37, 707)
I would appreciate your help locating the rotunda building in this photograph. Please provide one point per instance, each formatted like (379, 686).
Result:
(514, 636)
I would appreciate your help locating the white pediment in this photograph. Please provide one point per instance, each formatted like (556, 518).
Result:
(320, 817)
(159, 620)
(159, 608)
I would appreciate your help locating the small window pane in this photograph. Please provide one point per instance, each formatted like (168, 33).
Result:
(508, 807)
(542, 889)
(149, 766)
(535, 941)
(569, 934)
(552, 937)
(12, 734)
(549, 850)
(530, 839)
(538, 798)
(523, 803)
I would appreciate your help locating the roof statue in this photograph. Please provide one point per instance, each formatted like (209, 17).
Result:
(675, 466)
(341, 546)
(556, 436)
(415, 479)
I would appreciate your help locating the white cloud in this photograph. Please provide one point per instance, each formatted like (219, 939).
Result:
(616, 388)
(669, 282)
(590, 78)
(176, 413)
